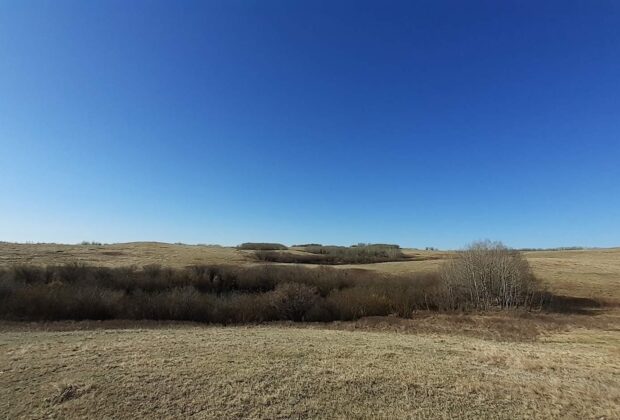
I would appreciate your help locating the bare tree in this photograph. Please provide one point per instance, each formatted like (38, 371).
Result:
(489, 275)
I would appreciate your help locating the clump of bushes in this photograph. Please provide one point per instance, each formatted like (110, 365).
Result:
(290, 258)
(361, 253)
(91, 243)
(489, 275)
(333, 255)
(484, 277)
(219, 294)
(293, 300)
(262, 246)
(364, 244)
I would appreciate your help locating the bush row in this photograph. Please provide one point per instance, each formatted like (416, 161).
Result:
(222, 294)
(227, 294)
(333, 255)
(264, 246)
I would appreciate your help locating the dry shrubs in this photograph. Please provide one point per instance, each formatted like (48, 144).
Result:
(488, 275)
(332, 255)
(293, 300)
(220, 294)
(264, 246)
(290, 258)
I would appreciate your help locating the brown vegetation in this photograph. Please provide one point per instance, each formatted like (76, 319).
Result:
(180, 371)
(262, 246)
(489, 275)
(334, 255)
(588, 273)
(482, 278)
(120, 255)
(220, 294)
(427, 364)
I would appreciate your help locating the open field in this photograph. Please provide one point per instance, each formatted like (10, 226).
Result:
(118, 255)
(583, 273)
(285, 372)
(496, 365)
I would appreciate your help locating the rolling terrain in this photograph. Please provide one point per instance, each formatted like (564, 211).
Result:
(497, 365)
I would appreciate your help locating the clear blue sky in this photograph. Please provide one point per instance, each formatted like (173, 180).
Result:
(423, 123)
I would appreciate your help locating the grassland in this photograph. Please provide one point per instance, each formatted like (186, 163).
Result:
(119, 255)
(177, 371)
(500, 365)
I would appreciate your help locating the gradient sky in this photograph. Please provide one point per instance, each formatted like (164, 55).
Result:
(423, 123)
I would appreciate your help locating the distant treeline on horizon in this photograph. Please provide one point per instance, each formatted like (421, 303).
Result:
(248, 245)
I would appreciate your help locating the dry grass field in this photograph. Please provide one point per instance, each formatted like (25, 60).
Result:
(178, 371)
(584, 273)
(117, 255)
(501, 365)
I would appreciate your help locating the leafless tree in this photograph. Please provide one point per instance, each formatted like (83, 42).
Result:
(489, 275)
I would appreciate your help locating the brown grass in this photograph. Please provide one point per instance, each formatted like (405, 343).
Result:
(582, 273)
(121, 255)
(179, 371)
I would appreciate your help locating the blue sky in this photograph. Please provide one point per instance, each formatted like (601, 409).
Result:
(423, 123)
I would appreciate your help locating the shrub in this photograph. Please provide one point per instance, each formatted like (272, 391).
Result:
(293, 300)
(408, 293)
(183, 303)
(484, 277)
(262, 246)
(91, 243)
(56, 301)
(488, 275)
(289, 258)
(30, 274)
(332, 255)
(358, 302)
(248, 307)
(366, 245)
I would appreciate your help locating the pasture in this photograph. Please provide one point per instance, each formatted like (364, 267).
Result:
(432, 365)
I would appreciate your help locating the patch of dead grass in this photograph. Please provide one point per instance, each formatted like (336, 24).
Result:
(276, 372)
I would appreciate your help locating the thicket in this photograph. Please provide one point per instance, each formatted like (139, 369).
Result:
(262, 246)
(364, 244)
(333, 255)
(220, 294)
(482, 278)
(91, 243)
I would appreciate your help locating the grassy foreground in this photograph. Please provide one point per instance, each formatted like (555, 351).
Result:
(285, 372)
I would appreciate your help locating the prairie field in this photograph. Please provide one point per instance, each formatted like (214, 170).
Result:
(304, 144)
(508, 364)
